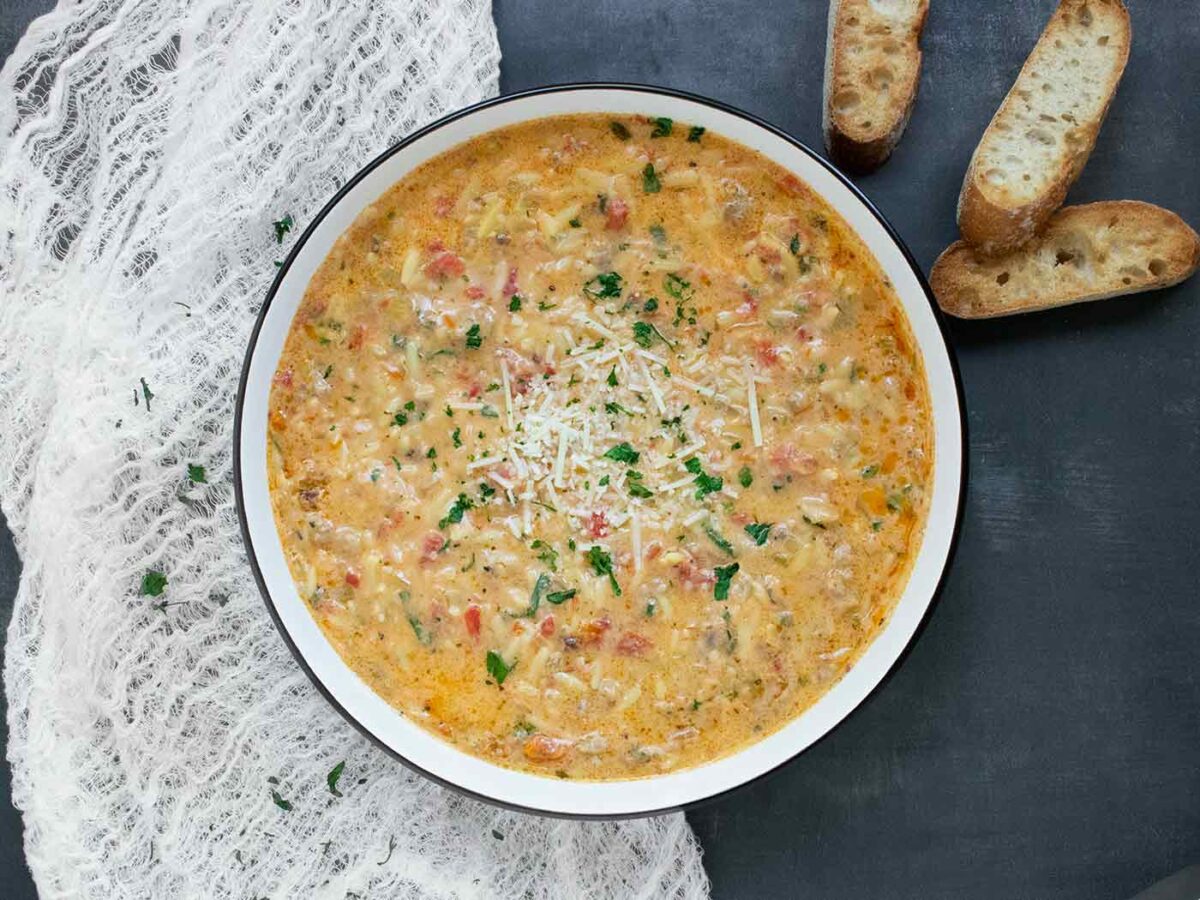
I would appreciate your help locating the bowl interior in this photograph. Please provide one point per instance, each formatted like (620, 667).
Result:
(411, 742)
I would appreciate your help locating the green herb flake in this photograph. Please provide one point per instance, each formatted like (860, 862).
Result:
(535, 596)
(705, 484)
(455, 513)
(611, 380)
(400, 419)
(618, 129)
(759, 531)
(745, 477)
(576, 222)
(676, 286)
(603, 482)
(695, 133)
(514, 303)
(602, 564)
(497, 667)
(640, 491)
(659, 234)
(651, 305)
(282, 227)
(794, 245)
(724, 578)
(547, 555)
(605, 286)
(334, 775)
(153, 584)
(622, 453)
(870, 471)
(489, 412)
(719, 539)
(195, 474)
(474, 339)
(557, 598)
(456, 437)
(650, 182)
(662, 127)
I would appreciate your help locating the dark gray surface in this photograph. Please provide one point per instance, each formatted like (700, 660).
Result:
(1042, 738)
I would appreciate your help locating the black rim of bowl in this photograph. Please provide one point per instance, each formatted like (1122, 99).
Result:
(416, 136)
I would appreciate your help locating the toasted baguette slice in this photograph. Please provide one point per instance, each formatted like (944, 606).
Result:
(872, 68)
(1087, 252)
(1042, 135)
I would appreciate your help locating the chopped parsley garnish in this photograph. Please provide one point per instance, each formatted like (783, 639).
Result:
(613, 408)
(651, 606)
(650, 182)
(603, 482)
(334, 775)
(605, 286)
(611, 380)
(196, 474)
(676, 286)
(622, 453)
(870, 471)
(876, 525)
(759, 531)
(514, 303)
(705, 484)
(662, 127)
(745, 477)
(651, 305)
(535, 597)
(456, 437)
(455, 513)
(422, 635)
(486, 491)
(153, 584)
(489, 412)
(602, 564)
(619, 130)
(559, 597)
(724, 577)
(658, 233)
(396, 463)
(497, 667)
(794, 245)
(282, 227)
(399, 419)
(644, 334)
(431, 453)
(547, 555)
(695, 133)
(639, 490)
(146, 393)
(576, 222)
(543, 306)
(474, 338)
(375, 473)
(719, 539)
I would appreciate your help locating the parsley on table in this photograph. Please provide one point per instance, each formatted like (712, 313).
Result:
(605, 286)
(282, 227)
(547, 555)
(489, 412)
(560, 597)
(146, 392)
(602, 564)
(662, 127)
(705, 484)
(719, 539)
(332, 778)
(745, 477)
(455, 513)
(619, 130)
(695, 133)
(153, 584)
(196, 474)
(611, 380)
(650, 182)
(278, 800)
(474, 338)
(622, 453)
(759, 531)
(514, 303)
(497, 667)
(724, 577)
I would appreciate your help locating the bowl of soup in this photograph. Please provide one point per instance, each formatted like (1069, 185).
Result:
(599, 449)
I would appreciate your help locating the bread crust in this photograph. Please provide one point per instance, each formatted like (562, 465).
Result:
(994, 227)
(1090, 252)
(857, 149)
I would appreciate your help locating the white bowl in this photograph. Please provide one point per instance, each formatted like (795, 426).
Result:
(412, 744)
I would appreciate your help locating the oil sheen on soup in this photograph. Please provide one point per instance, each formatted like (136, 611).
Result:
(599, 447)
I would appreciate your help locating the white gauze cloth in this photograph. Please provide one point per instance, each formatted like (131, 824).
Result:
(145, 149)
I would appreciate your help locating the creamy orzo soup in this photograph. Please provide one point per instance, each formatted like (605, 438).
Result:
(599, 447)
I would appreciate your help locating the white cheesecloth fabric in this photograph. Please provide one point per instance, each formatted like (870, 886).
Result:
(145, 148)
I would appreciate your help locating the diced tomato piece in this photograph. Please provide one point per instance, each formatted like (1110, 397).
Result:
(547, 626)
(802, 334)
(766, 352)
(352, 578)
(432, 545)
(284, 378)
(597, 524)
(443, 206)
(473, 620)
(278, 420)
(787, 457)
(792, 185)
(654, 551)
(445, 265)
(749, 305)
(435, 246)
(591, 633)
(618, 212)
(633, 644)
(694, 576)
(315, 310)
(510, 283)
(543, 748)
(740, 518)
(474, 292)
(357, 336)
